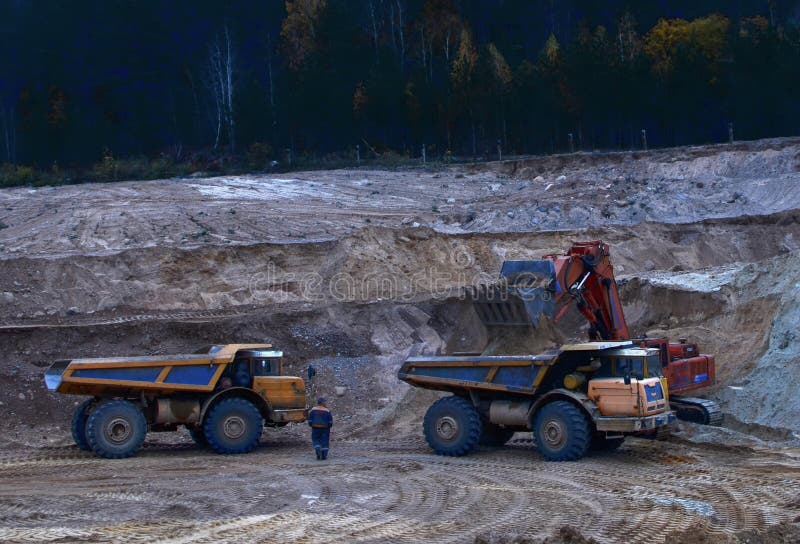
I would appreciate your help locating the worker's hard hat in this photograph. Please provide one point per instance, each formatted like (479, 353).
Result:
(321, 400)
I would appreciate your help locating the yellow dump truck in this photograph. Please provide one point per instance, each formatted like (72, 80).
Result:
(224, 395)
(574, 398)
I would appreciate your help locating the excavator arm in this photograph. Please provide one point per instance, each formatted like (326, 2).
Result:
(584, 275)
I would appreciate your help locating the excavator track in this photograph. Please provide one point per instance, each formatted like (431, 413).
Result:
(697, 410)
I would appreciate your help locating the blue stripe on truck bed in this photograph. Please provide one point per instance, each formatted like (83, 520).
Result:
(191, 375)
(467, 373)
(143, 374)
(515, 376)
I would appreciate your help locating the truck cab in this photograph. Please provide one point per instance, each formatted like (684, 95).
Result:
(262, 371)
(629, 382)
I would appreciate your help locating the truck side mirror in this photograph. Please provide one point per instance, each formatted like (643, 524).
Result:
(627, 378)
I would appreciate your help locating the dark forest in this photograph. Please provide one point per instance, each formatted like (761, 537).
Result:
(87, 81)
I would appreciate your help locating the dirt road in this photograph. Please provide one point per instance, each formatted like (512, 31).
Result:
(391, 491)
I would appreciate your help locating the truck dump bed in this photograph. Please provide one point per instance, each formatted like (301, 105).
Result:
(197, 372)
(521, 374)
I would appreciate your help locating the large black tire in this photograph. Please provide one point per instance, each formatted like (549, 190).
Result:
(601, 443)
(494, 435)
(452, 426)
(562, 431)
(79, 425)
(198, 436)
(233, 425)
(116, 429)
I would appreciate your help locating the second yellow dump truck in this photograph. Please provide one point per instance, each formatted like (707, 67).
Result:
(574, 398)
(224, 395)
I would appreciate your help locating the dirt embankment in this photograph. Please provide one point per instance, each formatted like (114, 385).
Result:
(563, 192)
(408, 265)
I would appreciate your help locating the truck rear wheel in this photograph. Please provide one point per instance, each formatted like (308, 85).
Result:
(494, 435)
(116, 429)
(452, 426)
(79, 425)
(233, 426)
(562, 431)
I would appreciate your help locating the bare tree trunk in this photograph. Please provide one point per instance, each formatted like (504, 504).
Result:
(430, 59)
(391, 24)
(9, 132)
(229, 88)
(474, 142)
(178, 145)
(271, 86)
(447, 47)
(222, 89)
(424, 53)
(216, 88)
(374, 31)
(449, 143)
(402, 37)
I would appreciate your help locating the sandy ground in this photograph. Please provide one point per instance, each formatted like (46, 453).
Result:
(353, 270)
(393, 491)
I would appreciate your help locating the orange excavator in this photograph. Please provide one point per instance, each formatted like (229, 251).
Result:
(584, 276)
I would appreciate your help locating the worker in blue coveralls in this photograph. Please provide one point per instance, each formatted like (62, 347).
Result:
(320, 420)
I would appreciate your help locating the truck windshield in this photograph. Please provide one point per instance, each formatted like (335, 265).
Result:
(634, 365)
(266, 367)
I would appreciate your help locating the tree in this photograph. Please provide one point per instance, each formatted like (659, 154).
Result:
(221, 82)
(8, 125)
(705, 37)
(493, 82)
(299, 30)
(461, 77)
(686, 60)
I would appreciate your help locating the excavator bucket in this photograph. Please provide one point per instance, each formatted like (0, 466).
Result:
(525, 291)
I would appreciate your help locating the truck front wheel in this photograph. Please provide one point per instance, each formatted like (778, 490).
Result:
(79, 425)
(233, 426)
(562, 431)
(116, 429)
(452, 426)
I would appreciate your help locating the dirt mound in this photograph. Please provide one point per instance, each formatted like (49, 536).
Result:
(524, 340)
(747, 316)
